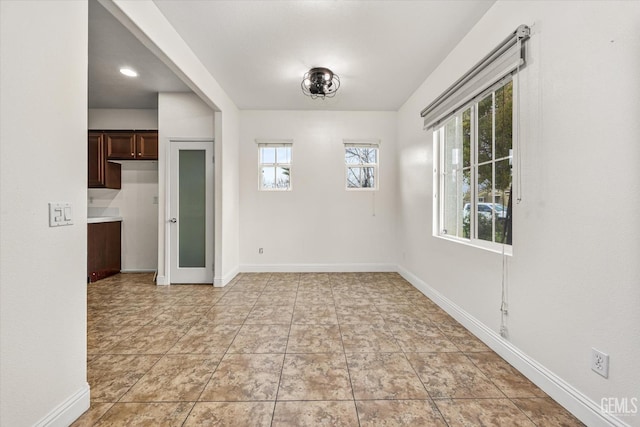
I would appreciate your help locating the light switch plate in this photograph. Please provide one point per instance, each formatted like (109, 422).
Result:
(60, 214)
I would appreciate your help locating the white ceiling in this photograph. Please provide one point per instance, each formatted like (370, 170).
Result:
(112, 46)
(259, 50)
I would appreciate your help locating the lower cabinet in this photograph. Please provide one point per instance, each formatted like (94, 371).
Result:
(103, 250)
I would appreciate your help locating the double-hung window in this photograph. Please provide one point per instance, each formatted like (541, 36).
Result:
(361, 165)
(274, 166)
(473, 138)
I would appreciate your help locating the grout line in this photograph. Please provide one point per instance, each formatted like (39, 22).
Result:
(344, 352)
(284, 357)
(490, 379)
(432, 401)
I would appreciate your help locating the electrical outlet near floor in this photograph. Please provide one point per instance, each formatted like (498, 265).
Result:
(600, 362)
(260, 251)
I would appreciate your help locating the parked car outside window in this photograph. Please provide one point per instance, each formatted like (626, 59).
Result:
(487, 210)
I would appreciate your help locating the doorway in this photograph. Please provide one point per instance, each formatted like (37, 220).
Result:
(190, 208)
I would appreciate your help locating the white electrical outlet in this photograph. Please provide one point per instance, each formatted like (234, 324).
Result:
(600, 362)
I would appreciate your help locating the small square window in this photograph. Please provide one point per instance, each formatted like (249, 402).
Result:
(275, 166)
(361, 166)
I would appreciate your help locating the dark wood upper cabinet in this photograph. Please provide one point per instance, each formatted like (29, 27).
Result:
(96, 160)
(101, 173)
(147, 145)
(132, 145)
(120, 145)
(117, 145)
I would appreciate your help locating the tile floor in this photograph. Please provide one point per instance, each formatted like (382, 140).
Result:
(289, 349)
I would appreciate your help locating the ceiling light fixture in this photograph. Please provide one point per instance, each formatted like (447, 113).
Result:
(320, 83)
(128, 72)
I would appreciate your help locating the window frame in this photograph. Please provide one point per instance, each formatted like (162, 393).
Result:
(371, 144)
(276, 164)
(440, 169)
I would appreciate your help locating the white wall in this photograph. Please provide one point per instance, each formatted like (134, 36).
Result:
(137, 200)
(137, 203)
(123, 118)
(573, 278)
(180, 115)
(147, 23)
(318, 225)
(43, 155)
(227, 188)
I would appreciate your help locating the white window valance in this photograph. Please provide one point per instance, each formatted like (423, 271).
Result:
(273, 142)
(374, 143)
(506, 58)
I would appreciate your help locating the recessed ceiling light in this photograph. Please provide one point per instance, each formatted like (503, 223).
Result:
(128, 72)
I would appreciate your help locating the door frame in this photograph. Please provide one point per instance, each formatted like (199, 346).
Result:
(211, 222)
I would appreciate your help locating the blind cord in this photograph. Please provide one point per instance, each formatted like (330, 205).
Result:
(504, 309)
(504, 306)
(373, 203)
(518, 145)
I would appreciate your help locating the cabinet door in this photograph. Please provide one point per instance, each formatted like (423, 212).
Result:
(147, 145)
(101, 173)
(120, 145)
(96, 160)
(103, 250)
(96, 235)
(113, 244)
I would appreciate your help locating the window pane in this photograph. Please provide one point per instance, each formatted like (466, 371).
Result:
(484, 216)
(360, 155)
(354, 177)
(451, 222)
(457, 206)
(267, 155)
(368, 178)
(466, 204)
(485, 129)
(268, 177)
(504, 120)
(466, 138)
(370, 155)
(453, 144)
(282, 177)
(283, 154)
(352, 155)
(360, 177)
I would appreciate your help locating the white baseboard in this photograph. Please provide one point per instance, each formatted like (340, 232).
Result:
(316, 268)
(68, 411)
(217, 281)
(584, 408)
(220, 282)
(162, 281)
(138, 270)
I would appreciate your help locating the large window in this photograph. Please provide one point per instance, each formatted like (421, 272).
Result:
(275, 166)
(361, 165)
(475, 152)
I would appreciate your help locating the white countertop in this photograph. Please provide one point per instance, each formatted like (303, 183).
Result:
(97, 219)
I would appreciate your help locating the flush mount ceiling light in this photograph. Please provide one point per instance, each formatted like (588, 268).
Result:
(320, 83)
(128, 72)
